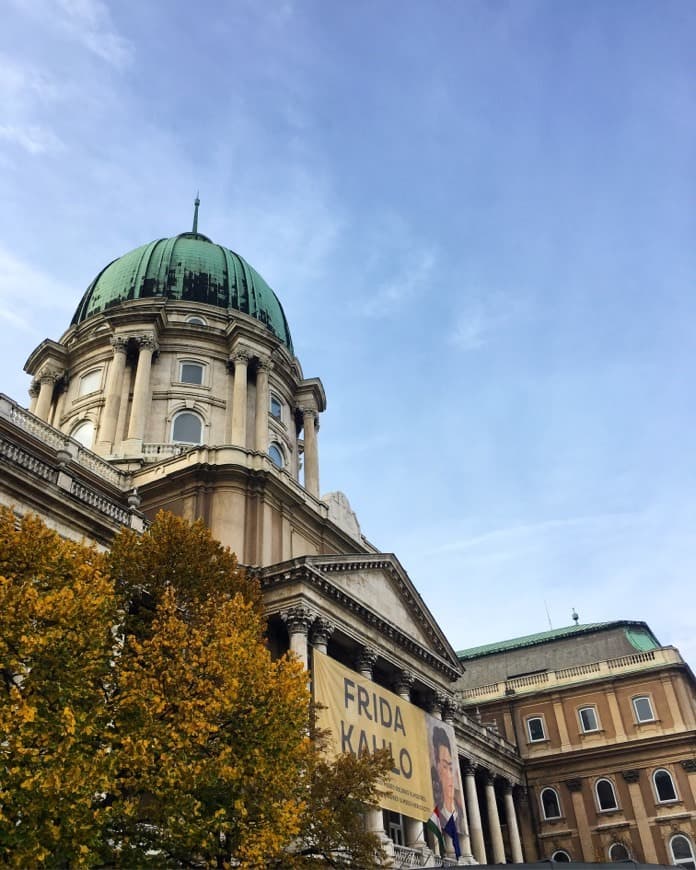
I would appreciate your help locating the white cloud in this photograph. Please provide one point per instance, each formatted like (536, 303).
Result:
(25, 290)
(482, 315)
(31, 137)
(88, 22)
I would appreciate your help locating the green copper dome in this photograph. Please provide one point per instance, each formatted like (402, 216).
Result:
(188, 267)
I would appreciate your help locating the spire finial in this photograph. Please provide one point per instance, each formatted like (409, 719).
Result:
(196, 203)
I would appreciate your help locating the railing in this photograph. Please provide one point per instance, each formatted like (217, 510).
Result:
(154, 452)
(578, 673)
(23, 419)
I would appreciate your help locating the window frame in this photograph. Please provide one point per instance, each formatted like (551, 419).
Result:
(186, 412)
(568, 859)
(682, 862)
(581, 710)
(602, 780)
(192, 362)
(196, 320)
(540, 720)
(621, 846)
(97, 370)
(275, 398)
(83, 424)
(638, 718)
(279, 448)
(543, 807)
(661, 800)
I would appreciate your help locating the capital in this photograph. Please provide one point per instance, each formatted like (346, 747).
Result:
(403, 682)
(34, 389)
(449, 709)
(632, 775)
(689, 765)
(147, 341)
(366, 659)
(309, 414)
(574, 784)
(119, 343)
(49, 376)
(322, 629)
(438, 701)
(241, 356)
(263, 364)
(298, 619)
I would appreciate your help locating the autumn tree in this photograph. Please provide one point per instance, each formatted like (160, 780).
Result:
(57, 606)
(145, 722)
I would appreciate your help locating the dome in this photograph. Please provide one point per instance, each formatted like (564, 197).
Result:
(188, 267)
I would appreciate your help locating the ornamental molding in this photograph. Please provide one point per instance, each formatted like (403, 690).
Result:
(574, 785)
(313, 573)
(298, 619)
(366, 660)
(241, 356)
(630, 776)
(322, 629)
(119, 343)
(689, 765)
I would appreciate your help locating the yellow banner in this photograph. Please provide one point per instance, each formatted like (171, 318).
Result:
(364, 717)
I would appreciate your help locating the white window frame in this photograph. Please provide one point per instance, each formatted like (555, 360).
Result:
(659, 799)
(192, 362)
(279, 447)
(620, 846)
(274, 397)
(539, 719)
(639, 719)
(192, 414)
(601, 809)
(558, 804)
(682, 862)
(83, 378)
(196, 320)
(561, 852)
(596, 719)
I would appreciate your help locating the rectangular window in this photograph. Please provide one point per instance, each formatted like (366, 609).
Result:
(191, 373)
(535, 728)
(90, 382)
(588, 719)
(276, 408)
(643, 709)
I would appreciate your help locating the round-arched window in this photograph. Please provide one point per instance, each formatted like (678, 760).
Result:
(196, 320)
(560, 856)
(187, 428)
(276, 454)
(664, 786)
(550, 804)
(84, 433)
(682, 852)
(618, 852)
(606, 797)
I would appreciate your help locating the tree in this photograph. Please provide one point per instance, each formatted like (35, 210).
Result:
(146, 722)
(57, 607)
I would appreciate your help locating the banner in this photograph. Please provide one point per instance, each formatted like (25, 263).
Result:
(364, 717)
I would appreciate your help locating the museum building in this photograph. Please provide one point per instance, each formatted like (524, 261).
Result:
(176, 387)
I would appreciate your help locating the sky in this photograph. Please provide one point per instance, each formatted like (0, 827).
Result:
(479, 217)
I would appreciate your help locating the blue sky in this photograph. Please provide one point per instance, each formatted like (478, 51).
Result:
(480, 219)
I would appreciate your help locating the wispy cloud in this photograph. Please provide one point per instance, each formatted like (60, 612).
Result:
(32, 137)
(411, 275)
(483, 315)
(24, 290)
(87, 22)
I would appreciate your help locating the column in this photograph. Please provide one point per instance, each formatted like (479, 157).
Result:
(310, 419)
(298, 620)
(494, 822)
(47, 381)
(640, 814)
(403, 684)
(322, 629)
(438, 701)
(574, 786)
(262, 401)
(33, 395)
(472, 806)
(141, 394)
(240, 358)
(112, 403)
(364, 663)
(513, 829)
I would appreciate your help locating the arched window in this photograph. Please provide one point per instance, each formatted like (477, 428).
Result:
(550, 804)
(618, 852)
(606, 796)
(90, 382)
(588, 719)
(560, 856)
(187, 428)
(535, 729)
(196, 320)
(642, 707)
(664, 786)
(682, 852)
(84, 433)
(276, 454)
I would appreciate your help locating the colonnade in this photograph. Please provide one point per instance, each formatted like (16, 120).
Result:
(116, 394)
(306, 629)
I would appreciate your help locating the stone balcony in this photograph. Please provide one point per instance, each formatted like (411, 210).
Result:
(590, 672)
